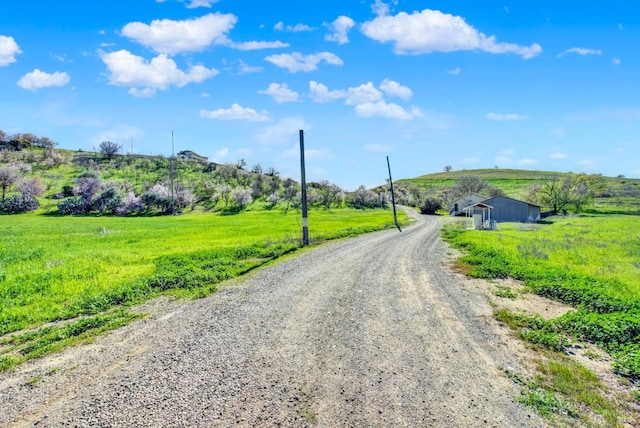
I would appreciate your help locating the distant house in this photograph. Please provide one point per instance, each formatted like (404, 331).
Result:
(457, 207)
(191, 155)
(497, 209)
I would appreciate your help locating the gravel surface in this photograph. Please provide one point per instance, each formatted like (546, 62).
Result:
(374, 331)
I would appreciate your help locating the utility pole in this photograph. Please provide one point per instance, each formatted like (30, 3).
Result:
(393, 197)
(171, 170)
(303, 186)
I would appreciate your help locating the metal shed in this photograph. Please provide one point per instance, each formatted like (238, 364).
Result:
(509, 209)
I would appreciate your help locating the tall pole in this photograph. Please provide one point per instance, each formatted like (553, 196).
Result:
(393, 197)
(171, 170)
(303, 186)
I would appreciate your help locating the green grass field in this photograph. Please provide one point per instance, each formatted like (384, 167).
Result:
(60, 268)
(591, 263)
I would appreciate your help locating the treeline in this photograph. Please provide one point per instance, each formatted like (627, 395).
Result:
(34, 172)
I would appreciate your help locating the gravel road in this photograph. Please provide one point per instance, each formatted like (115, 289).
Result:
(374, 331)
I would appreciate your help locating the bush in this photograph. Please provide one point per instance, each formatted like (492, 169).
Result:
(430, 206)
(19, 204)
(74, 206)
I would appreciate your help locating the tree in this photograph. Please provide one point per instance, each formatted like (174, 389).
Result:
(430, 206)
(470, 184)
(87, 185)
(447, 168)
(572, 190)
(242, 197)
(8, 177)
(109, 149)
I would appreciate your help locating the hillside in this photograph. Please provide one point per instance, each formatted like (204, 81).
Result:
(616, 193)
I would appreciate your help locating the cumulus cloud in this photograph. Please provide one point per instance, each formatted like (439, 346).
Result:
(298, 28)
(167, 36)
(433, 31)
(454, 72)
(39, 79)
(502, 116)
(297, 62)
(394, 89)
(8, 50)
(321, 94)
(236, 112)
(366, 93)
(580, 51)
(161, 72)
(388, 110)
(340, 30)
(281, 93)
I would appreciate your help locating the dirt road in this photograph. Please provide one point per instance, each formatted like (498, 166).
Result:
(374, 331)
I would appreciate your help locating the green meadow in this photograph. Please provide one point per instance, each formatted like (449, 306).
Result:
(86, 269)
(591, 263)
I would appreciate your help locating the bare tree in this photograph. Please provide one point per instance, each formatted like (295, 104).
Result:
(8, 177)
(109, 149)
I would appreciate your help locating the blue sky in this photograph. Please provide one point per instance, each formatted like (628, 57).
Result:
(540, 85)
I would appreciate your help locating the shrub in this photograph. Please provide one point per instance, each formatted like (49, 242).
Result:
(430, 206)
(19, 204)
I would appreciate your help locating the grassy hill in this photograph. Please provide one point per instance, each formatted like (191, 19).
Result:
(618, 195)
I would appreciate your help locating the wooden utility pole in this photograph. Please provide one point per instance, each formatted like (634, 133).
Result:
(303, 190)
(393, 197)
(171, 172)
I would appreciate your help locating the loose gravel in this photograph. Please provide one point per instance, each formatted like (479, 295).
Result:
(374, 331)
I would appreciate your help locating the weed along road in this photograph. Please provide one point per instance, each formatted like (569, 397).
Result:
(374, 331)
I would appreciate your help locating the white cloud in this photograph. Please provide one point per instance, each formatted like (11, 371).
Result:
(195, 3)
(253, 46)
(201, 3)
(246, 68)
(558, 156)
(297, 62)
(381, 8)
(433, 31)
(298, 28)
(281, 93)
(580, 51)
(362, 94)
(508, 116)
(39, 79)
(205, 95)
(388, 110)
(161, 72)
(8, 50)
(454, 72)
(236, 112)
(321, 93)
(395, 89)
(339, 30)
(377, 148)
(166, 36)
(285, 131)
(616, 61)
